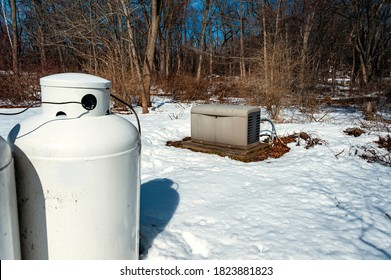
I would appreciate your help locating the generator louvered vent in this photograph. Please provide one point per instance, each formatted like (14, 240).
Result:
(226, 125)
(254, 122)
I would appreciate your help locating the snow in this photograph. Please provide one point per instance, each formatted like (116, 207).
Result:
(319, 203)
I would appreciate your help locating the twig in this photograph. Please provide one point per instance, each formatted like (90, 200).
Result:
(298, 139)
(319, 120)
(336, 155)
(279, 139)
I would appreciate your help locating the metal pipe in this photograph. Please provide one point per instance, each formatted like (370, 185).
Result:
(271, 132)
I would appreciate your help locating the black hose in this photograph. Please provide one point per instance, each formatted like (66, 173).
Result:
(36, 104)
(131, 108)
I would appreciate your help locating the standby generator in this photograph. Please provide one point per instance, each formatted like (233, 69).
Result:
(234, 126)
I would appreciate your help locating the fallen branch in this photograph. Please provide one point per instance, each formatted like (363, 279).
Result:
(310, 142)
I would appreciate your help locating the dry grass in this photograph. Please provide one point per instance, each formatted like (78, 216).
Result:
(19, 89)
(186, 88)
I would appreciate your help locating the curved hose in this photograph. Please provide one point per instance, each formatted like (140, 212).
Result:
(272, 132)
(131, 108)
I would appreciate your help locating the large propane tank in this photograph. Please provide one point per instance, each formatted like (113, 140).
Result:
(77, 174)
(9, 228)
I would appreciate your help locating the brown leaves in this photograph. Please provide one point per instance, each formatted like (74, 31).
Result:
(384, 142)
(354, 131)
(378, 155)
(277, 150)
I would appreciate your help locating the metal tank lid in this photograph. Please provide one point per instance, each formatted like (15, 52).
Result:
(5, 153)
(75, 80)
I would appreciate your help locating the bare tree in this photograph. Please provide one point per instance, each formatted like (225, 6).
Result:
(150, 50)
(130, 42)
(6, 26)
(265, 43)
(135, 57)
(205, 21)
(39, 14)
(309, 19)
(15, 39)
(277, 60)
(370, 24)
(242, 61)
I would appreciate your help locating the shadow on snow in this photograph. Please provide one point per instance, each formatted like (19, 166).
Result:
(159, 200)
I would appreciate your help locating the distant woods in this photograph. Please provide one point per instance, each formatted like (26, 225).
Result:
(269, 52)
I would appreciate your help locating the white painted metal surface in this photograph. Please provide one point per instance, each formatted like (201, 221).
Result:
(78, 176)
(9, 227)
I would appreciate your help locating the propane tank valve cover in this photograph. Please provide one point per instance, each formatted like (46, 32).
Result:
(75, 95)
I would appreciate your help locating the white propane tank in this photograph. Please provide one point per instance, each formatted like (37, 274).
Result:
(9, 228)
(77, 174)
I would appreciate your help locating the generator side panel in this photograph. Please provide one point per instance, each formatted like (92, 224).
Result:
(203, 128)
(219, 130)
(231, 131)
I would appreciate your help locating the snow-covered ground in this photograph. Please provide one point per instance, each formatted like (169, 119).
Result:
(319, 203)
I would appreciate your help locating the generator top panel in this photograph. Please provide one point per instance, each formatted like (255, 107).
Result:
(224, 110)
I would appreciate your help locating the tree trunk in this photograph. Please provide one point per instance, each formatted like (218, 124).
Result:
(309, 22)
(150, 51)
(38, 13)
(166, 41)
(242, 62)
(353, 72)
(168, 58)
(202, 40)
(276, 43)
(210, 52)
(162, 56)
(15, 39)
(135, 60)
(364, 69)
(93, 41)
(265, 54)
(182, 40)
